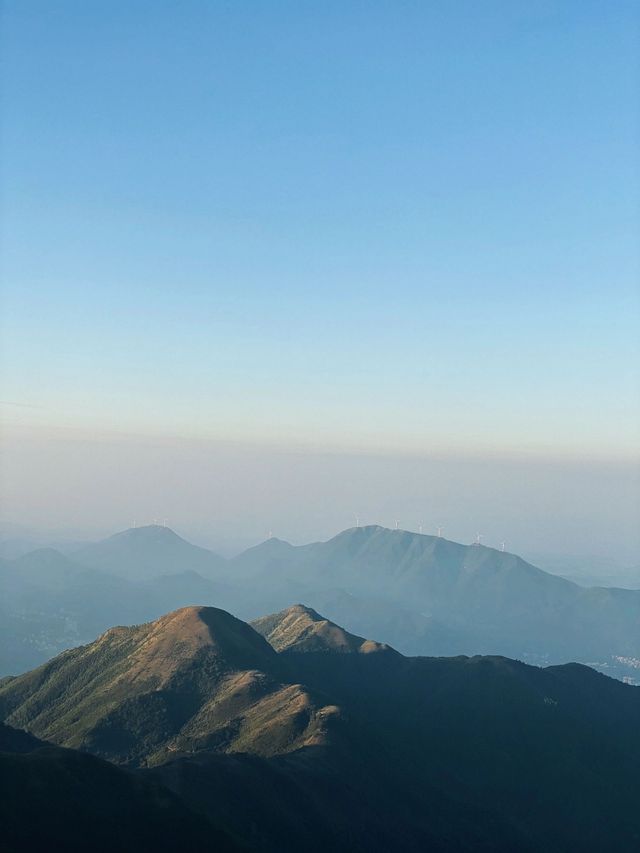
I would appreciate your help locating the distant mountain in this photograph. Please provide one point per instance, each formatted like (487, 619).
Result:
(14, 546)
(419, 594)
(589, 570)
(195, 679)
(59, 799)
(317, 749)
(50, 602)
(44, 567)
(143, 553)
(468, 598)
(32, 629)
(301, 629)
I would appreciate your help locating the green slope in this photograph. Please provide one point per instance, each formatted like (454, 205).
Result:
(195, 679)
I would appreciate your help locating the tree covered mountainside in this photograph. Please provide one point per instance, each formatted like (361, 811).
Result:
(332, 742)
(421, 594)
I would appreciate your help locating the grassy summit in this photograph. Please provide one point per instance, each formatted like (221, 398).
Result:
(195, 679)
(301, 629)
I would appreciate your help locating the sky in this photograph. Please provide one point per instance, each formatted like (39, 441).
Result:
(401, 232)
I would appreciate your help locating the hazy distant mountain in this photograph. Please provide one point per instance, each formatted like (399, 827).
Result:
(49, 602)
(16, 541)
(318, 749)
(419, 594)
(31, 627)
(42, 568)
(589, 570)
(470, 597)
(143, 553)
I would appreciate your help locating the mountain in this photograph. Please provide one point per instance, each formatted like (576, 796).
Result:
(589, 570)
(401, 627)
(454, 597)
(143, 553)
(59, 799)
(195, 679)
(322, 746)
(31, 628)
(50, 602)
(418, 594)
(44, 567)
(301, 629)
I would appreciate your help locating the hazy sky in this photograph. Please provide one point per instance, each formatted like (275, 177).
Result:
(229, 496)
(394, 228)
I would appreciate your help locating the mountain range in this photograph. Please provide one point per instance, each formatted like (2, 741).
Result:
(420, 594)
(324, 740)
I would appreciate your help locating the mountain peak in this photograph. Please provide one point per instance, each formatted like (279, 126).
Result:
(42, 555)
(141, 553)
(177, 637)
(367, 532)
(147, 533)
(302, 629)
(195, 679)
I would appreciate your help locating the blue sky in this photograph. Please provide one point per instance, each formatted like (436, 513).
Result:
(393, 225)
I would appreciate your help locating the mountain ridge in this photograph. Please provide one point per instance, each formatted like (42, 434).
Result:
(370, 751)
(195, 677)
(418, 593)
(300, 628)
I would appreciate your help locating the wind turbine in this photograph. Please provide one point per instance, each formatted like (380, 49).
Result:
(440, 532)
(397, 522)
(502, 544)
(478, 539)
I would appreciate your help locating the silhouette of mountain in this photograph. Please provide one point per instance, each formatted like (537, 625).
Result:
(473, 598)
(142, 553)
(49, 602)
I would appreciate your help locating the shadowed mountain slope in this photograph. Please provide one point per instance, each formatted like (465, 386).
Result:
(60, 799)
(318, 799)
